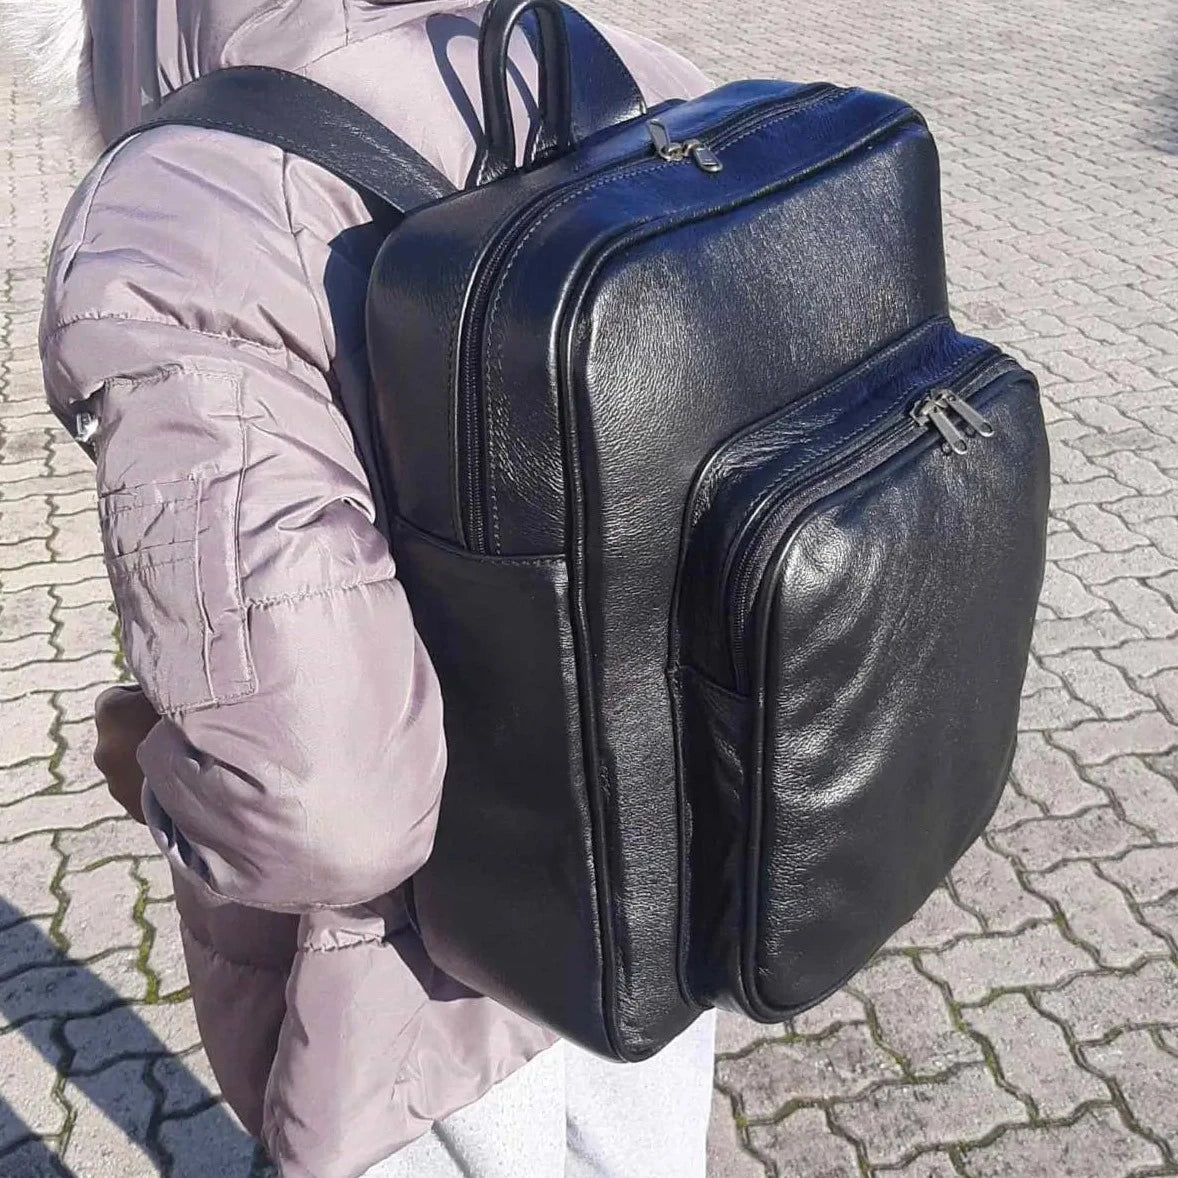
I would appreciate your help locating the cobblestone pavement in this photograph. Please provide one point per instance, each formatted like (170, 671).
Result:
(1026, 1023)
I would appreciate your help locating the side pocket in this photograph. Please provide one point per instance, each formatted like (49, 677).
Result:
(171, 544)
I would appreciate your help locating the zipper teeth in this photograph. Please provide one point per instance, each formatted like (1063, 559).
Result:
(474, 526)
(734, 559)
(792, 499)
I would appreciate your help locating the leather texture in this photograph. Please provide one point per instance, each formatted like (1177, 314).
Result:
(303, 117)
(553, 379)
(646, 411)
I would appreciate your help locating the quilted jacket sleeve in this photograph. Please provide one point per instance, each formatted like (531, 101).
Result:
(300, 756)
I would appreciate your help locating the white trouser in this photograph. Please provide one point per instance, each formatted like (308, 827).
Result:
(570, 1114)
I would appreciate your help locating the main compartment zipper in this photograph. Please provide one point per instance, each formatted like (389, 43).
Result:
(471, 424)
(788, 500)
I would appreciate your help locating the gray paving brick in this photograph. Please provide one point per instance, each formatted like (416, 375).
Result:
(1101, 686)
(1036, 956)
(1146, 1076)
(113, 1112)
(1096, 1004)
(727, 1156)
(1033, 1055)
(802, 1145)
(841, 1064)
(140, 1030)
(101, 911)
(1097, 1145)
(1098, 915)
(1147, 798)
(1043, 842)
(986, 882)
(207, 1143)
(913, 1019)
(1097, 741)
(1147, 873)
(897, 1120)
(28, 1073)
(29, 868)
(1048, 775)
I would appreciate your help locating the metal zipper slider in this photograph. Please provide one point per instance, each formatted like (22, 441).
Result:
(703, 155)
(675, 152)
(967, 413)
(930, 411)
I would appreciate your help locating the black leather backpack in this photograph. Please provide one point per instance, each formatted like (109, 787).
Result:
(692, 467)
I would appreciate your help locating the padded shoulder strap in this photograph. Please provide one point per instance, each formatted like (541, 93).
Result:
(303, 117)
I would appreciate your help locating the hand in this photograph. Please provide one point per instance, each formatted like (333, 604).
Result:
(123, 718)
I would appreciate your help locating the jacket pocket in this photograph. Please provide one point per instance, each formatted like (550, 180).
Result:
(171, 544)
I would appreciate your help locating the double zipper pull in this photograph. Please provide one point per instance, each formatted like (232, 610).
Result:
(952, 435)
(968, 414)
(934, 410)
(675, 152)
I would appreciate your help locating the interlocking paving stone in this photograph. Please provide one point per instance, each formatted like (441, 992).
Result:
(207, 1143)
(1062, 245)
(913, 1019)
(726, 1152)
(1036, 956)
(929, 1165)
(1043, 842)
(896, 1120)
(844, 1063)
(29, 867)
(1033, 1055)
(1049, 775)
(114, 1109)
(1149, 799)
(141, 1030)
(26, 944)
(987, 884)
(1098, 915)
(802, 1145)
(1147, 1076)
(938, 922)
(101, 911)
(1097, 1145)
(70, 989)
(27, 1079)
(1094, 1005)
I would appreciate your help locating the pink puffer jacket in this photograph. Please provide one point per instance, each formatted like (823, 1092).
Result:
(205, 311)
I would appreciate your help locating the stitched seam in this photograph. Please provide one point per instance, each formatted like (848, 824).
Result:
(84, 217)
(324, 591)
(415, 533)
(859, 372)
(773, 120)
(363, 941)
(151, 321)
(839, 443)
(495, 358)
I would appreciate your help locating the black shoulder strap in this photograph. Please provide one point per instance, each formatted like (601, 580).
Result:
(303, 117)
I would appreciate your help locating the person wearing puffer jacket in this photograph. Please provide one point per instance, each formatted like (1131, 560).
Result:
(203, 335)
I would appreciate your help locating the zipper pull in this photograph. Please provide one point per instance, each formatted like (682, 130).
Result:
(703, 155)
(967, 413)
(931, 412)
(671, 151)
(675, 152)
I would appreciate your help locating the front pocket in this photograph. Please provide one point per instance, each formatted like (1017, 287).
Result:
(859, 616)
(171, 544)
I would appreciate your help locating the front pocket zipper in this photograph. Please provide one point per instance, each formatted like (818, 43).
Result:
(920, 411)
(472, 426)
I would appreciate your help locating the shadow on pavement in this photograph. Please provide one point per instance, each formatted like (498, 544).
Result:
(184, 1156)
